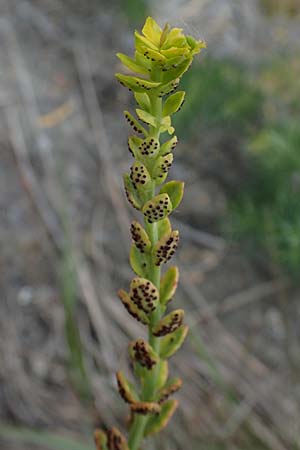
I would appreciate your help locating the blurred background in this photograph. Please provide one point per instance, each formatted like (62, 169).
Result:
(64, 223)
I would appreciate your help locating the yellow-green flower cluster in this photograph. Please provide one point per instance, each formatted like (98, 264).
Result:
(161, 55)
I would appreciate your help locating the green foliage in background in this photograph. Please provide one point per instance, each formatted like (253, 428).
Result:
(135, 11)
(259, 111)
(41, 439)
(77, 371)
(222, 99)
(280, 83)
(69, 297)
(265, 213)
(282, 7)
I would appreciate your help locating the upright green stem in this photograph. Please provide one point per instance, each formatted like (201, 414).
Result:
(136, 434)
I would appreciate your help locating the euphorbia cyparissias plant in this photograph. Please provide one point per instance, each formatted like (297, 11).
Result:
(161, 58)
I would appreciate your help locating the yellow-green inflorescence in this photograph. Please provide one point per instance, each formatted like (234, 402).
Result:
(161, 57)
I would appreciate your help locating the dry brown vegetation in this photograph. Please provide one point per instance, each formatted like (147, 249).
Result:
(64, 240)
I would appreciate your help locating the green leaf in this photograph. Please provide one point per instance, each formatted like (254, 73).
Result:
(175, 190)
(139, 261)
(132, 309)
(131, 193)
(141, 42)
(175, 38)
(164, 34)
(152, 31)
(158, 208)
(126, 389)
(173, 103)
(163, 227)
(163, 373)
(169, 389)
(166, 88)
(100, 439)
(168, 146)
(173, 63)
(132, 64)
(196, 46)
(172, 342)
(133, 145)
(152, 55)
(157, 423)
(165, 248)
(173, 52)
(142, 60)
(177, 71)
(144, 294)
(168, 284)
(145, 117)
(161, 168)
(143, 101)
(136, 84)
(168, 324)
(137, 127)
(140, 237)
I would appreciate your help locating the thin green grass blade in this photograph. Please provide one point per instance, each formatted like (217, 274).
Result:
(47, 440)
